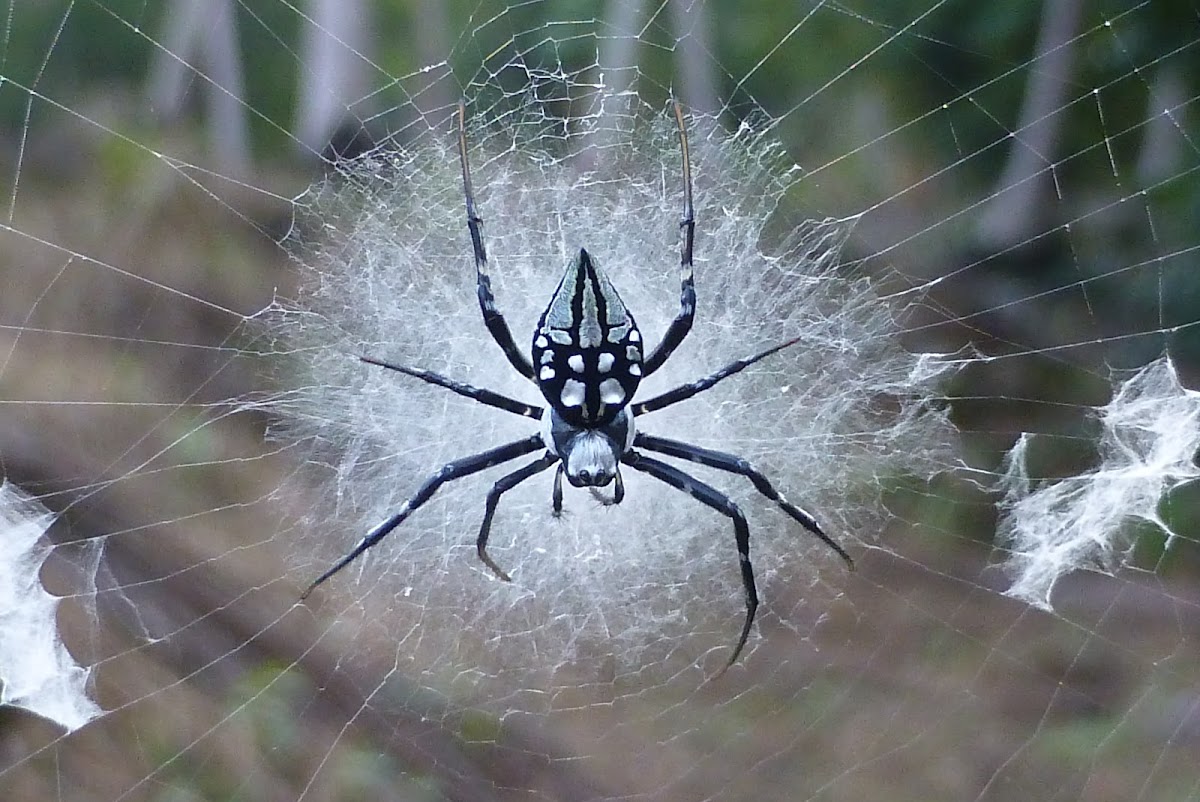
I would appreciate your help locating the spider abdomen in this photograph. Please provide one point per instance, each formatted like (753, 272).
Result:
(587, 350)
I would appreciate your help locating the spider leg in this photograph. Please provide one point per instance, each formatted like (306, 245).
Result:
(686, 391)
(503, 485)
(448, 473)
(735, 464)
(486, 397)
(713, 498)
(487, 303)
(682, 323)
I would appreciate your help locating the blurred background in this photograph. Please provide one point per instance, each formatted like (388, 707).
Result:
(1027, 171)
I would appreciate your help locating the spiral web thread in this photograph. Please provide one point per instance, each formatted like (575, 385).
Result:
(237, 447)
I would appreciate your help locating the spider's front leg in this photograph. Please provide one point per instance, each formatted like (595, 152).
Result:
(502, 486)
(448, 473)
(735, 464)
(710, 497)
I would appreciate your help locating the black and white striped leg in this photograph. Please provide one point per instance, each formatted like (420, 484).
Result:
(502, 486)
(487, 303)
(713, 498)
(682, 323)
(486, 397)
(686, 391)
(448, 473)
(735, 464)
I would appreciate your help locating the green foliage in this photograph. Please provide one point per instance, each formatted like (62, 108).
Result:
(879, 98)
(269, 40)
(66, 51)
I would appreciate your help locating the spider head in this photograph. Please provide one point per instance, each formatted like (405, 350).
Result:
(590, 456)
(591, 459)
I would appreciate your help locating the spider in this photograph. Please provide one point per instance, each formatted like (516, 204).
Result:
(587, 359)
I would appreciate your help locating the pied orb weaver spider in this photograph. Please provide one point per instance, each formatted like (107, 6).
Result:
(587, 360)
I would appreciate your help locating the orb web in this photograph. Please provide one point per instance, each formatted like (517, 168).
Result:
(844, 403)
(980, 235)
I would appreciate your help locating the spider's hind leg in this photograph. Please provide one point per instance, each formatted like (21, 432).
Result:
(682, 324)
(492, 318)
(480, 394)
(686, 391)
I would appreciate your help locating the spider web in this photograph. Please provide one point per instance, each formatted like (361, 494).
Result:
(980, 226)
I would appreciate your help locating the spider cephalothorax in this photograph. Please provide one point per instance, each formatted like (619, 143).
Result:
(588, 358)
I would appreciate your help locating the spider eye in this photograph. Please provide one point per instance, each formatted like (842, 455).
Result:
(591, 459)
(597, 477)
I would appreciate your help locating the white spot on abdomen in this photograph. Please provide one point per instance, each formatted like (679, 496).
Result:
(611, 391)
(576, 362)
(547, 373)
(572, 393)
(605, 362)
